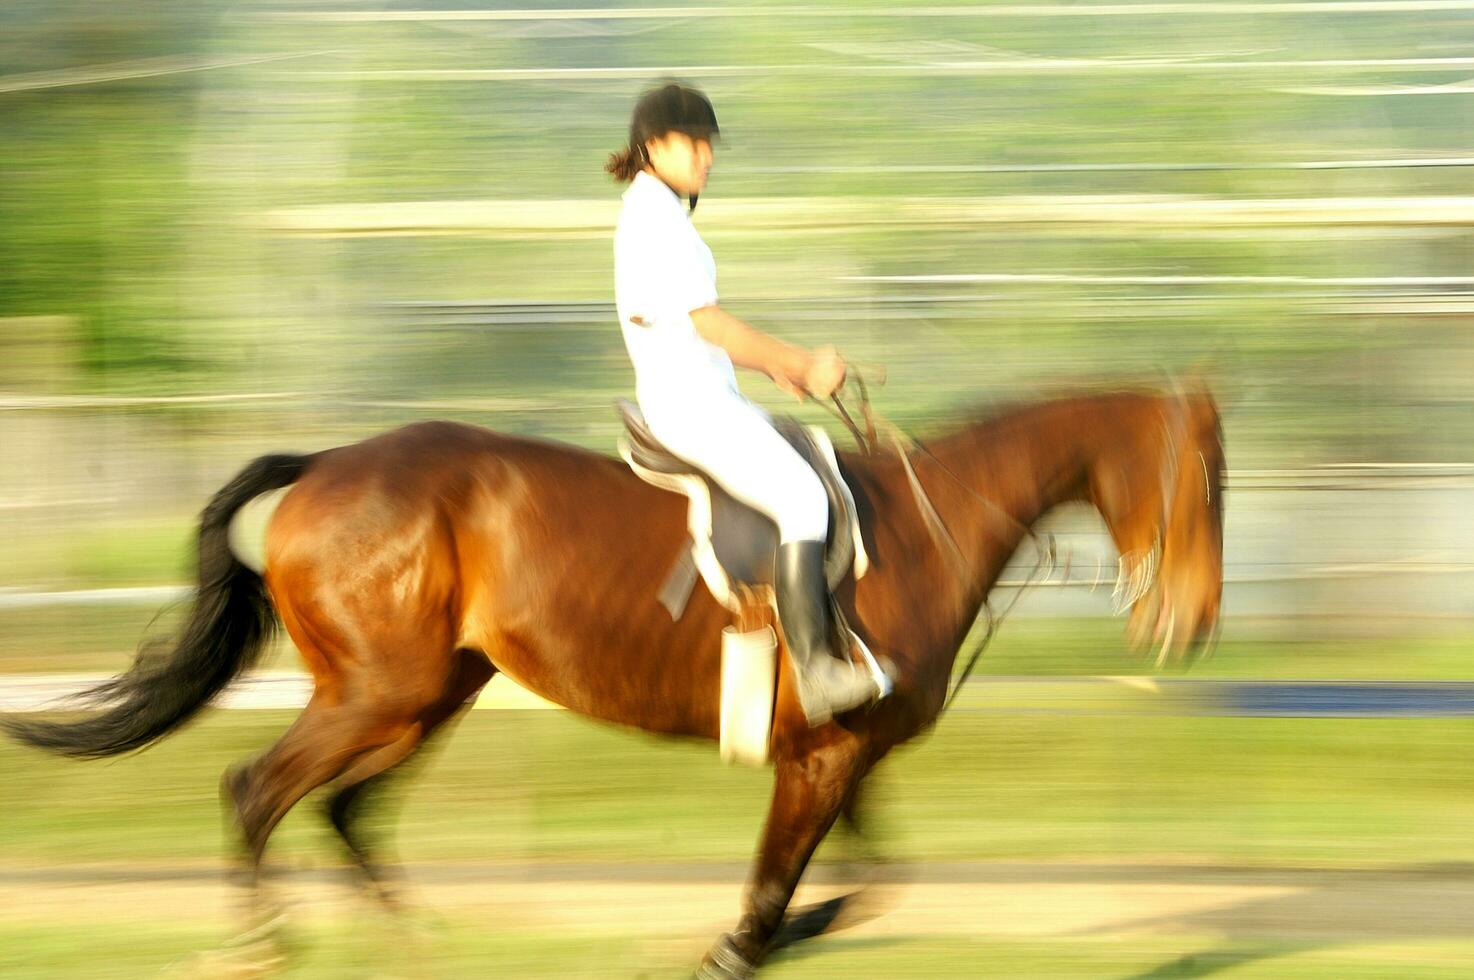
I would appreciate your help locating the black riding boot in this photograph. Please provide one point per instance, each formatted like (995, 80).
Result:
(827, 685)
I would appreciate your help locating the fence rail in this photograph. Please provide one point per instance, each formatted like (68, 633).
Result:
(902, 11)
(1068, 695)
(1083, 576)
(595, 217)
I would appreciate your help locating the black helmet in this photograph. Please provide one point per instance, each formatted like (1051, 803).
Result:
(672, 108)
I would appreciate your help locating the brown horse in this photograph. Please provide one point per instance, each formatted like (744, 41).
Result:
(413, 566)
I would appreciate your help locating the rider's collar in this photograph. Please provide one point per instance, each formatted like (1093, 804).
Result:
(645, 177)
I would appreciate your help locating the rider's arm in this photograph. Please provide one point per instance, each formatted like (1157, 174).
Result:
(749, 347)
(686, 283)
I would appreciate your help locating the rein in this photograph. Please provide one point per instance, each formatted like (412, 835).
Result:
(904, 445)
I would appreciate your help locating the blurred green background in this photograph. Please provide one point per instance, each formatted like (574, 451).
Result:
(240, 227)
(232, 228)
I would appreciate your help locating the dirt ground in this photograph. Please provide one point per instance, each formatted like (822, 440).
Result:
(993, 900)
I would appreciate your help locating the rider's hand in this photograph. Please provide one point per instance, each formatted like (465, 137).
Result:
(790, 387)
(826, 372)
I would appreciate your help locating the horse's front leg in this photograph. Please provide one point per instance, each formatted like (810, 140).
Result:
(809, 791)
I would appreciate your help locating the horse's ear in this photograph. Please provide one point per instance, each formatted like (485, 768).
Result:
(1205, 379)
(1200, 377)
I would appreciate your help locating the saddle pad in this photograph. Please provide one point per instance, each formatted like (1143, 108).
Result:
(730, 542)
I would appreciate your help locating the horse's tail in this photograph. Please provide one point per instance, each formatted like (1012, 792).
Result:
(231, 620)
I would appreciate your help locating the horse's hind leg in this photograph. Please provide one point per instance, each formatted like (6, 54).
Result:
(366, 779)
(352, 723)
(324, 740)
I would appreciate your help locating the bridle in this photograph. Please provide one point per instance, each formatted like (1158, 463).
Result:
(1137, 571)
(904, 446)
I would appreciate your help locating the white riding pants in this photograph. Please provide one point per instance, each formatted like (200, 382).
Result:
(734, 441)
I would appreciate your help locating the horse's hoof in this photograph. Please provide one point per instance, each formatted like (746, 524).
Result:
(725, 962)
(233, 790)
(252, 961)
(266, 923)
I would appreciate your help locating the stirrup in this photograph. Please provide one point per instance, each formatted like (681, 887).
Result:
(834, 686)
(884, 682)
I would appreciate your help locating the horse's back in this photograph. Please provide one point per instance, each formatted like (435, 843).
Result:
(545, 557)
(434, 463)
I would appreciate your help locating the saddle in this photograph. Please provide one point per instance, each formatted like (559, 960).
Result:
(729, 544)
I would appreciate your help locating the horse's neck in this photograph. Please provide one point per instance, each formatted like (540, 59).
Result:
(1019, 466)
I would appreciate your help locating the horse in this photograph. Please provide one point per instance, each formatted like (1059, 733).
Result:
(412, 567)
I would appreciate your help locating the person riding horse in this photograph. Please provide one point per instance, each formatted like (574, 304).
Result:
(683, 345)
(412, 567)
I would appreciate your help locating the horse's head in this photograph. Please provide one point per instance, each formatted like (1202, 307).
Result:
(1165, 510)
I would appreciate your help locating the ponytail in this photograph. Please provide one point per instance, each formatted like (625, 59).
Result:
(625, 163)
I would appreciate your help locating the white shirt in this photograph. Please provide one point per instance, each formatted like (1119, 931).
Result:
(663, 271)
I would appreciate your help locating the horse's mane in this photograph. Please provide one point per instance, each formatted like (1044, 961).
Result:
(992, 416)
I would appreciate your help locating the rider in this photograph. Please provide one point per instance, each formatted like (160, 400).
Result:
(684, 345)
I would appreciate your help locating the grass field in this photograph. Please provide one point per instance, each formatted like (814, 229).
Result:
(546, 786)
(1339, 801)
(467, 949)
